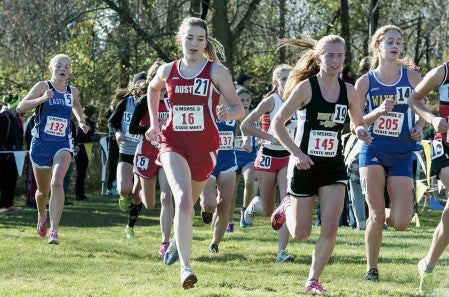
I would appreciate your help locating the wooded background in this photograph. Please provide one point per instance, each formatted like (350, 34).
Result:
(111, 40)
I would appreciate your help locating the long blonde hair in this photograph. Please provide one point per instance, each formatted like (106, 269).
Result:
(377, 38)
(214, 49)
(58, 56)
(306, 65)
(276, 76)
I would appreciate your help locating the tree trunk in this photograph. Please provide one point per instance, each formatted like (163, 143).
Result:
(222, 31)
(282, 13)
(345, 29)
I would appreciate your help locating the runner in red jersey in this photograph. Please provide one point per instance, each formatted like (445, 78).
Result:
(437, 77)
(189, 139)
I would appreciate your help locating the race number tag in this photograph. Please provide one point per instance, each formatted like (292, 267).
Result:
(402, 94)
(323, 143)
(127, 117)
(240, 141)
(188, 118)
(265, 162)
(389, 124)
(226, 140)
(437, 148)
(68, 99)
(340, 113)
(142, 162)
(200, 86)
(56, 126)
(133, 137)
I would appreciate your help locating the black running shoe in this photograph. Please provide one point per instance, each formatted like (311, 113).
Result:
(213, 249)
(372, 275)
(207, 217)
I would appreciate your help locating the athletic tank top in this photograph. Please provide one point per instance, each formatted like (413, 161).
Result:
(128, 147)
(268, 118)
(444, 102)
(320, 125)
(191, 121)
(52, 121)
(391, 131)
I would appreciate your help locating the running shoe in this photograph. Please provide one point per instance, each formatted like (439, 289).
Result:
(42, 226)
(427, 281)
(188, 279)
(314, 287)
(254, 208)
(278, 216)
(171, 255)
(123, 202)
(283, 257)
(129, 231)
(163, 248)
(372, 275)
(213, 249)
(53, 237)
(230, 227)
(207, 217)
(243, 222)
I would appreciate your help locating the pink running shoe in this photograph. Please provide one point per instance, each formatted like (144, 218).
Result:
(53, 237)
(42, 226)
(278, 215)
(314, 287)
(163, 248)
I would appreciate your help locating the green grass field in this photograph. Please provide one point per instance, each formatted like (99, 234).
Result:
(94, 258)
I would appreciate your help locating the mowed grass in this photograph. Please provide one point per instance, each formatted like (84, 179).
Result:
(94, 258)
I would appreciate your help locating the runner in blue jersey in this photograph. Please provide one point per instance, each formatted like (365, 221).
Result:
(219, 190)
(387, 161)
(246, 151)
(52, 143)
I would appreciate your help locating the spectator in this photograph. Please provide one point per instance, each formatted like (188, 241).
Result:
(347, 75)
(11, 139)
(243, 81)
(81, 157)
(30, 181)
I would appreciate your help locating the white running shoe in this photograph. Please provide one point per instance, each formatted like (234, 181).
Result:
(254, 208)
(283, 257)
(427, 282)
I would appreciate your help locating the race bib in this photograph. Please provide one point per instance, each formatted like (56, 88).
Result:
(68, 99)
(226, 140)
(437, 149)
(56, 126)
(323, 143)
(402, 94)
(142, 162)
(340, 113)
(389, 124)
(133, 137)
(239, 142)
(188, 118)
(265, 162)
(127, 117)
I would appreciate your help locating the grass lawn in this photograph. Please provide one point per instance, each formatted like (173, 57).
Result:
(94, 258)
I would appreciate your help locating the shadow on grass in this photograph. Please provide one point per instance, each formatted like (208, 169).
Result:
(101, 211)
